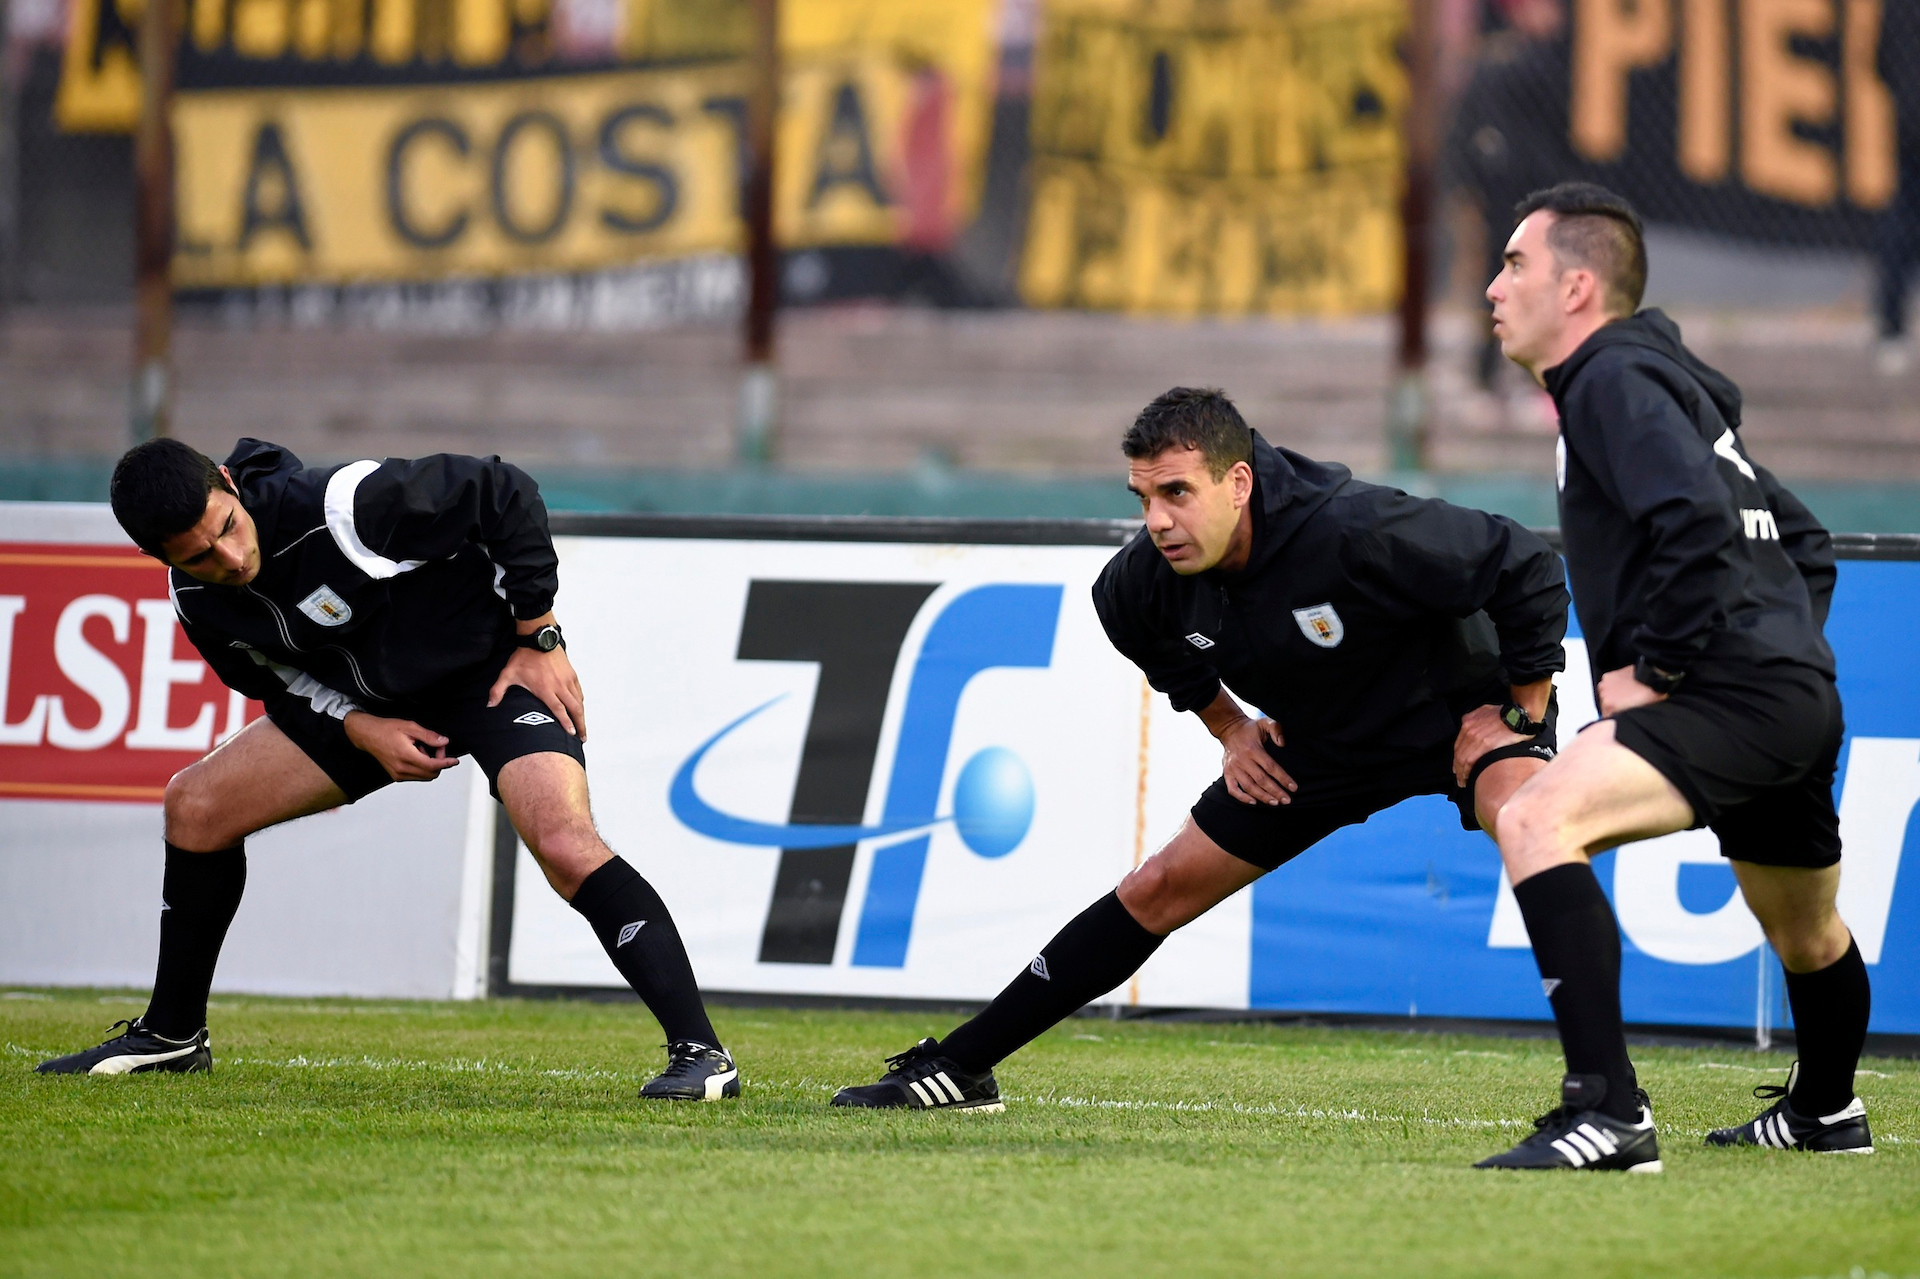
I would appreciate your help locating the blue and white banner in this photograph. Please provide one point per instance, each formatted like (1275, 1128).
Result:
(895, 769)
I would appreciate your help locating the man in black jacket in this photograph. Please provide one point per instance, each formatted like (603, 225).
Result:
(1394, 646)
(1702, 586)
(392, 616)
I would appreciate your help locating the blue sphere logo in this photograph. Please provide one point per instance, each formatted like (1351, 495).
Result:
(993, 802)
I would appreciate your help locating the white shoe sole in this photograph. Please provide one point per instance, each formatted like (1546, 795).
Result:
(130, 1062)
(1652, 1165)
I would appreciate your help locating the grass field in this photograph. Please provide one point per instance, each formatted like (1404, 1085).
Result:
(369, 1139)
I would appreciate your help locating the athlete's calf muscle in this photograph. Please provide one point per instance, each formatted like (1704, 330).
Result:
(546, 798)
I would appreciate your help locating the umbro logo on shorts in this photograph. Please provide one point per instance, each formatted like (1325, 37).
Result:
(1199, 641)
(1039, 968)
(533, 717)
(629, 932)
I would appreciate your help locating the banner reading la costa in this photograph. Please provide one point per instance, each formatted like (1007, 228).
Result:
(400, 140)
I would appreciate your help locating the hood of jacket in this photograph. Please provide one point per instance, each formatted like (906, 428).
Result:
(261, 472)
(1653, 330)
(1287, 489)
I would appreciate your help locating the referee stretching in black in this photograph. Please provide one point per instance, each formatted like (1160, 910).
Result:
(1702, 587)
(393, 616)
(1395, 646)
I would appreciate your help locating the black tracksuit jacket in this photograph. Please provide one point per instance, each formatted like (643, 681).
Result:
(1433, 609)
(380, 584)
(1681, 549)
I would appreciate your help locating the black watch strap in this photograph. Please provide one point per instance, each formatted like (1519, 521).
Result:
(544, 640)
(1515, 717)
(1662, 682)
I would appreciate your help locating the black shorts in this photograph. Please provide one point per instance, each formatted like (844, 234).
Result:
(494, 736)
(1753, 749)
(1270, 835)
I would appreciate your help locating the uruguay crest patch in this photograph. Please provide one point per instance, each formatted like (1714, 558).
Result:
(1321, 625)
(326, 607)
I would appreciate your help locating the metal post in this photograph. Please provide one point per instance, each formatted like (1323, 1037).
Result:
(1410, 407)
(758, 408)
(9, 167)
(153, 222)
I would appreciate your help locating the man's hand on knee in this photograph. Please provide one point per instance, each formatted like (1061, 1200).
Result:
(408, 751)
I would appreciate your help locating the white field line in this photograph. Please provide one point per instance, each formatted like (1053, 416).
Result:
(483, 1066)
(1272, 1109)
(1774, 1070)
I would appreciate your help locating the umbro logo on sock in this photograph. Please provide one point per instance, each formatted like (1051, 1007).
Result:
(629, 932)
(1548, 985)
(1039, 968)
(1199, 641)
(533, 717)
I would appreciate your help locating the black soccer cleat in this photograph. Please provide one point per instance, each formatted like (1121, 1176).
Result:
(1781, 1127)
(136, 1051)
(921, 1079)
(695, 1072)
(1579, 1135)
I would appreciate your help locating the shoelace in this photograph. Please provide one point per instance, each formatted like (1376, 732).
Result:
(131, 1028)
(901, 1061)
(1558, 1115)
(1769, 1092)
(684, 1057)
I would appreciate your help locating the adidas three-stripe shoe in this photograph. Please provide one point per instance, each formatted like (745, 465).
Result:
(921, 1079)
(1580, 1135)
(695, 1072)
(136, 1051)
(1781, 1127)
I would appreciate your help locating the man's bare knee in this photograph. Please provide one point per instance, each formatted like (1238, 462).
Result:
(192, 814)
(1531, 834)
(1147, 893)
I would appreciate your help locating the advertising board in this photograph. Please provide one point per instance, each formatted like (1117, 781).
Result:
(863, 758)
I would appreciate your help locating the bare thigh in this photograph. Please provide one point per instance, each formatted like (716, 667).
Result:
(1183, 881)
(1596, 795)
(255, 779)
(546, 799)
(1497, 784)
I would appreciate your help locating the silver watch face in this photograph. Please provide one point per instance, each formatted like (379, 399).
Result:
(547, 638)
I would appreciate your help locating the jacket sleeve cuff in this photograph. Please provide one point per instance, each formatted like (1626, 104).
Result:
(1193, 697)
(527, 607)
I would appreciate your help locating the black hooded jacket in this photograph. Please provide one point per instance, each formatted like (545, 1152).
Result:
(1365, 621)
(379, 582)
(1681, 549)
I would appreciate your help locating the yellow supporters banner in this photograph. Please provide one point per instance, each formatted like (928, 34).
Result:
(375, 149)
(1217, 157)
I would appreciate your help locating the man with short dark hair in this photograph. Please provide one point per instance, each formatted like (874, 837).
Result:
(393, 616)
(1702, 586)
(1395, 646)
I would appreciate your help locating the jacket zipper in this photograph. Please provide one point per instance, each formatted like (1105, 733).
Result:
(286, 636)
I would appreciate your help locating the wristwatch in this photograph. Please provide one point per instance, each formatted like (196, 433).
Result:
(544, 640)
(1515, 717)
(1662, 682)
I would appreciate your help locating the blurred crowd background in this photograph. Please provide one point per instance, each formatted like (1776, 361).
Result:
(516, 226)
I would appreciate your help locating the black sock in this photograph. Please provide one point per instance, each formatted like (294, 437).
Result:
(634, 927)
(1102, 947)
(1576, 943)
(199, 895)
(1830, 1010)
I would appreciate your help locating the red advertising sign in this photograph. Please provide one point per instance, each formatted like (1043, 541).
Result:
(101, 696)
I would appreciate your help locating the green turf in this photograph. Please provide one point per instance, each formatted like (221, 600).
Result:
(371, 1139)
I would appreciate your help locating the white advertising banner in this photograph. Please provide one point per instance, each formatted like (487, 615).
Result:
(851, 768)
